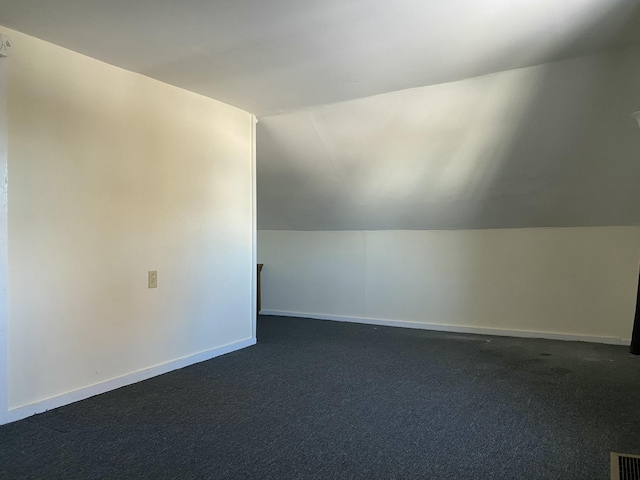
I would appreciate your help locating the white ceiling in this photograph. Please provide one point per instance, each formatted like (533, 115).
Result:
(269, 56)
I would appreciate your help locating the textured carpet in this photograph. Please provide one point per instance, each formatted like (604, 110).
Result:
(325, 400)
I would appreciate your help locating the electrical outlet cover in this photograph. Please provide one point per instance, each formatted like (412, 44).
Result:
(153, 279)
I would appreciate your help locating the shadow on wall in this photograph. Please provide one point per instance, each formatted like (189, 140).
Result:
(571, 161)
(547, 146)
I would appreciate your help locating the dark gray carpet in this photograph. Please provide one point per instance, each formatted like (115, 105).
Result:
(324, 400)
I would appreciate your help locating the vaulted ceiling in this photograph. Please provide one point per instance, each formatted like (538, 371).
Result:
(388, 114)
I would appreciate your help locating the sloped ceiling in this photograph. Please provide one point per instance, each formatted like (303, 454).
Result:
(545, 146)
(269, 56)
(548, 144)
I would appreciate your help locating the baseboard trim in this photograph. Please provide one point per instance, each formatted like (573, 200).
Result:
(453, 328)
(25, 411)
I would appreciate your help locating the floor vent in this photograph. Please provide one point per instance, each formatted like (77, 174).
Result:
(625, 467)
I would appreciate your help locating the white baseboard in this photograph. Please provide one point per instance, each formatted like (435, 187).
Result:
(19, 413)
(454, 328)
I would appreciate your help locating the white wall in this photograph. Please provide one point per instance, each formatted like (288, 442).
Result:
(113, 174)
(556, 282)
(353, 198)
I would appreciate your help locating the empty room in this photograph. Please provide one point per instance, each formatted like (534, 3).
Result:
(319, 239)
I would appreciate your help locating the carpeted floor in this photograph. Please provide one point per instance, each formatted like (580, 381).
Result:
(326, 400)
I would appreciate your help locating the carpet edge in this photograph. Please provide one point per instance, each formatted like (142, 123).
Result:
(453, 328)
(24, 411)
